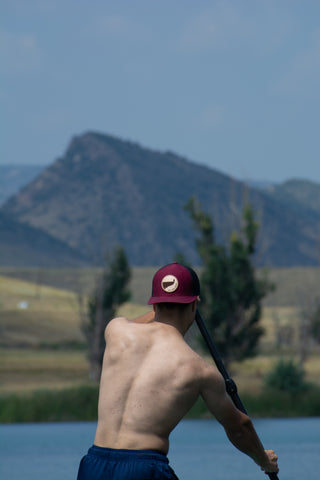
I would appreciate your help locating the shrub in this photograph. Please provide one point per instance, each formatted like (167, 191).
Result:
(286, 376)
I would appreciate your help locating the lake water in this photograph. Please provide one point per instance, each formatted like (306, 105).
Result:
(199, 450)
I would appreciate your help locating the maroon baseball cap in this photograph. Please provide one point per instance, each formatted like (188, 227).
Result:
(175, 283)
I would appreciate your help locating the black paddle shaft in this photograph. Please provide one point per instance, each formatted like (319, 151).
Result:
(231, 387)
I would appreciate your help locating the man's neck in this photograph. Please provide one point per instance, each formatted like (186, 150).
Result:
(178, 322)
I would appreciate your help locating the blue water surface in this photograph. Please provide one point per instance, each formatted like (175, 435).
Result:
(199, 449)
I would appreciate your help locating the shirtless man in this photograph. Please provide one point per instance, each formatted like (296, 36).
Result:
(150, 379)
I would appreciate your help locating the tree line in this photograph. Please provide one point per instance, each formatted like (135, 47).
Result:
(231, 292)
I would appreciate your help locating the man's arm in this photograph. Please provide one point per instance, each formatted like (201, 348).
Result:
(237, 425)
(146, 318)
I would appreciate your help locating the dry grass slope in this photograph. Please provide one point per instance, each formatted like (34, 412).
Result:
(42, 346)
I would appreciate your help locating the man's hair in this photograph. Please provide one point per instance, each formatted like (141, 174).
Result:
(181, 307)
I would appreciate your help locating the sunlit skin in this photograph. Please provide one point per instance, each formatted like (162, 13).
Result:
(151, 378)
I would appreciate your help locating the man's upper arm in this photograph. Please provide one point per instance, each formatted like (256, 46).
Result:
(145, 318)
(214, 393)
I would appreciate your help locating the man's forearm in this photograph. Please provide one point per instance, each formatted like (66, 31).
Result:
(247, 441)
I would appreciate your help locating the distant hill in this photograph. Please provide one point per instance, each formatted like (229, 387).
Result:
(106, 191)
(260, 184)
(297, 194)
(12, 178)
(24, 245)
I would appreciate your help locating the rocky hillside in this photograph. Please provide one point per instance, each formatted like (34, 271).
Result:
(106, 191)
(23, 245)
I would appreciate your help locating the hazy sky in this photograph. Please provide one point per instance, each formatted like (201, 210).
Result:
(231, 84)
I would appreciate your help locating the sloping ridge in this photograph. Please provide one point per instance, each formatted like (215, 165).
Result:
(13, 177)
(23, 245)
(106, 191)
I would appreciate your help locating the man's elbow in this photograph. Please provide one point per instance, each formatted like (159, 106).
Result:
(238, 429)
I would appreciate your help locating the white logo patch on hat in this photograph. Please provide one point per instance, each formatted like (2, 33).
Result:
(169, 283)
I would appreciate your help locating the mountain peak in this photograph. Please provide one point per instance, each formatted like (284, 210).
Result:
(105, 191)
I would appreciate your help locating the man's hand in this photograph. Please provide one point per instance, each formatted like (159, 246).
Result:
(271, 464)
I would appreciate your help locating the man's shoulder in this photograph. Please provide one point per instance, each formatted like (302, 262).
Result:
(116, 324)
(191, 358)
(205, 369)
(117, 321)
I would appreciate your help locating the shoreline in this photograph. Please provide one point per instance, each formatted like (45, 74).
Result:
(79, 404)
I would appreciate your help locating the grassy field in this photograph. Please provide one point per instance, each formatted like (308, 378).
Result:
(42, 346)
(81, 281)
(294, 286)
(26, 370)
(35, 315)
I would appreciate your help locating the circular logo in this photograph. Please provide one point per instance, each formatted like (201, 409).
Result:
(169, 283)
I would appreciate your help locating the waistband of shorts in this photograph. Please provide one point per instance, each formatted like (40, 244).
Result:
(122, 454)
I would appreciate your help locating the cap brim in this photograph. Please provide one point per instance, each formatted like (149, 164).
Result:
(172, 299)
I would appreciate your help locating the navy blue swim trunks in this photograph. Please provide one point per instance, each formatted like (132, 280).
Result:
(113, 464)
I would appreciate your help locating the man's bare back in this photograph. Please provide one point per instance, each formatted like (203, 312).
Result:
(148, 383)
(151, 378)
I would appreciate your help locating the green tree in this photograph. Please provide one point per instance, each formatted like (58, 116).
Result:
(312, 317)
(111, 291)
(315, 322)
(309, 328)
(231, 293)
